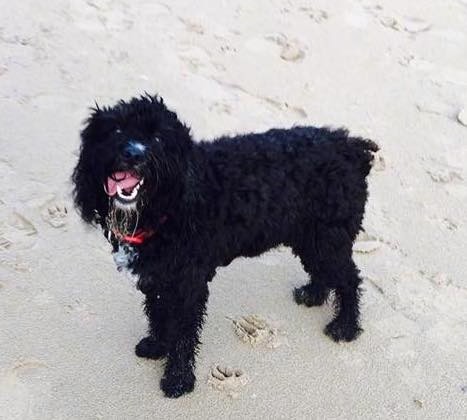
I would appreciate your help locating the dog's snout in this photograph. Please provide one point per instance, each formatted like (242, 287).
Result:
(133, 150)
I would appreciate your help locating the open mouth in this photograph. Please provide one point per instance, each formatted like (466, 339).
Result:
(123, 186)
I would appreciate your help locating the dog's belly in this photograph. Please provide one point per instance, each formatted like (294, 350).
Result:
(249, 251)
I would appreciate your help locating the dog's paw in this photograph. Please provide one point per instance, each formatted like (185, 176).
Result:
(175, 385)
(341, 331)
(307, 296)
(150, 348)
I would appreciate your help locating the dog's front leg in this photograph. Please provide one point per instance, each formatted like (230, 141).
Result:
(156, 306)
(184, 329)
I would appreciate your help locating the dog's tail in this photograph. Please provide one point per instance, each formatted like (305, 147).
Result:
(360, 151)
(365, 151)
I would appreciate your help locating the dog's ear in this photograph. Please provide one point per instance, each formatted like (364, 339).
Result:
(84, 189)
(99, 125)
(87, 196)
(165, 127)
(175, 142)
(85, 180)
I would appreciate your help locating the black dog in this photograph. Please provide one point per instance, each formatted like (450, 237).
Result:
(177, 210)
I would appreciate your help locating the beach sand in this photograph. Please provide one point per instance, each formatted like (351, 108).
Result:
(394, 71)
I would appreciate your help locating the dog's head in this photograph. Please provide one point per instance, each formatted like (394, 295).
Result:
(133, 160)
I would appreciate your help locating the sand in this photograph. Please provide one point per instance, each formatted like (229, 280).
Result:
(394, 71)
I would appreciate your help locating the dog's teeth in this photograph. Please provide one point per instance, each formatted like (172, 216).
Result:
(133, 194)
(129, 197)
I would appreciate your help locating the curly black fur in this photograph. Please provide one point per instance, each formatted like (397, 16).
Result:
(211, 202)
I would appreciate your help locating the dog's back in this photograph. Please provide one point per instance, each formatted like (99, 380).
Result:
(269, 187)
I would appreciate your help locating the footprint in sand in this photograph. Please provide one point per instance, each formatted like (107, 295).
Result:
(439, 108)
(366, 244)
(444, 222)
(444, 174)
(411, 25)
(14, 264)
(76, 308)
(220, 108)
(316, 15)
(13, 389)
(228, 49)
(21, 223)
(16, 230)
(228, 380)
(24, 366)
(195, 57)
(291, 50)
(55, 215)
(192, 26)
(280, 106)
(449, 175)
(5, 243)
(447, 223)
(440, 279)
(406, 59)
(255, 330)
(117, 57)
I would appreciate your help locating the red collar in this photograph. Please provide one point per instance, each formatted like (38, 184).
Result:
(138, 237)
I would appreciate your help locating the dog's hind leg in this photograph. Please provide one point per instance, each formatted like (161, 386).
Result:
(315, 292)
(327, 255)
(345, 326)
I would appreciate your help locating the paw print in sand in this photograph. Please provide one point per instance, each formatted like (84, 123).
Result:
(366, 244)
(16, 230)
(55, 215)
(316, 15)
(291, 50)
(227, 380)
(5, 243)
(255, 330)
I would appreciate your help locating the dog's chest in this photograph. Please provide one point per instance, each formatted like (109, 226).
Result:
(124, 256)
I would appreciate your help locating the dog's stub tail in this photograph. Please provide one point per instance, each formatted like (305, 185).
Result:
(372, 146)
(367, 150)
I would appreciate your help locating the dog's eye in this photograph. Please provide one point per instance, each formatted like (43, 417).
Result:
(157, 139)
(118, 131)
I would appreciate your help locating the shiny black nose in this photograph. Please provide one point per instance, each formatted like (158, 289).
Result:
(133, 150)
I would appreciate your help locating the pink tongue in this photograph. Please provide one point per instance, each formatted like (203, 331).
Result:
(125, 180)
